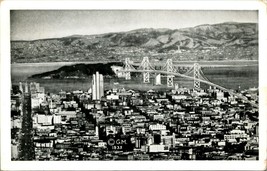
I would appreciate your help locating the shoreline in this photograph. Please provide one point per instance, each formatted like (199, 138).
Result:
(95, 62)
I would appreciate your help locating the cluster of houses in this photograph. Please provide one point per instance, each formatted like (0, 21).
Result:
(181, 124)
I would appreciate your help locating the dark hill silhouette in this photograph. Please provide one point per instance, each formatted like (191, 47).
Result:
(79, 71)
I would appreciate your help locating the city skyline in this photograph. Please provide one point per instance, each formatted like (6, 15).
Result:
(33, 24)
(54, 117)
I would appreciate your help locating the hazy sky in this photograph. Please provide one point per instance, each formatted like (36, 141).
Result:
(33, 24)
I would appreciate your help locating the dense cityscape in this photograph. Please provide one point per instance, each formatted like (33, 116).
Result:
(146, 86)
(128, 124)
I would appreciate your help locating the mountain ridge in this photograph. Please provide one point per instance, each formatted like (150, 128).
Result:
(222, 41)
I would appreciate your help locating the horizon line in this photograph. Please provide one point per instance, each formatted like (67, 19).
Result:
(124, 31)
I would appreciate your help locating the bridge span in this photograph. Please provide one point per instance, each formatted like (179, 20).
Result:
(200, 80)
(171, 71)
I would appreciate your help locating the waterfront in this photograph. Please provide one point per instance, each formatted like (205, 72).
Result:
(242, 73)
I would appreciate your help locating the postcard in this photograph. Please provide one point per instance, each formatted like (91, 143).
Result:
(133, 85)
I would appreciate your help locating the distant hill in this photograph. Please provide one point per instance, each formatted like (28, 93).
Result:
(224, 41)
(79, 71)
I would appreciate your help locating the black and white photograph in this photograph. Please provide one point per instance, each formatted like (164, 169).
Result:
(110, 85)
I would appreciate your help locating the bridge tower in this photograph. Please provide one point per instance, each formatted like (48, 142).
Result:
(126, 68)
(196, 76)
(145, 65)
(169, 67)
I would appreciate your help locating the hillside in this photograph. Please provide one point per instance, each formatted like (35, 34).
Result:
(225, 41)
(79, 71)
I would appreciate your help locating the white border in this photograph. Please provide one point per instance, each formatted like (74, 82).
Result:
(7, 164)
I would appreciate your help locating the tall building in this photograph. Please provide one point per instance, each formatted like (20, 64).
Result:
(158, 79)
(20, 87)
(176, 86)
(26, 88)
(178, 50)
(96, 131)
(97, 86)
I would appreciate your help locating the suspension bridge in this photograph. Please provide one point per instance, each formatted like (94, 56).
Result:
(190, 72)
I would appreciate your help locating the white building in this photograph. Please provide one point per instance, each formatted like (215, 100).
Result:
(116, 70)
(112, 97)
(14, 151)
(179, 97)
(236, 133)
(20, 87)
(44, 119)
(16, 123)
(56, 119)
(158, 117)
(155, 148)
(97, 86)
(158, 79)
(110, 130)
(176, 86)
(102, 144)
(220, 95)
(156, 127)
(66, 115)
(37, 98)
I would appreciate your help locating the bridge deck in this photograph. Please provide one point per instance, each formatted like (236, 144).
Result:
(192, 78)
